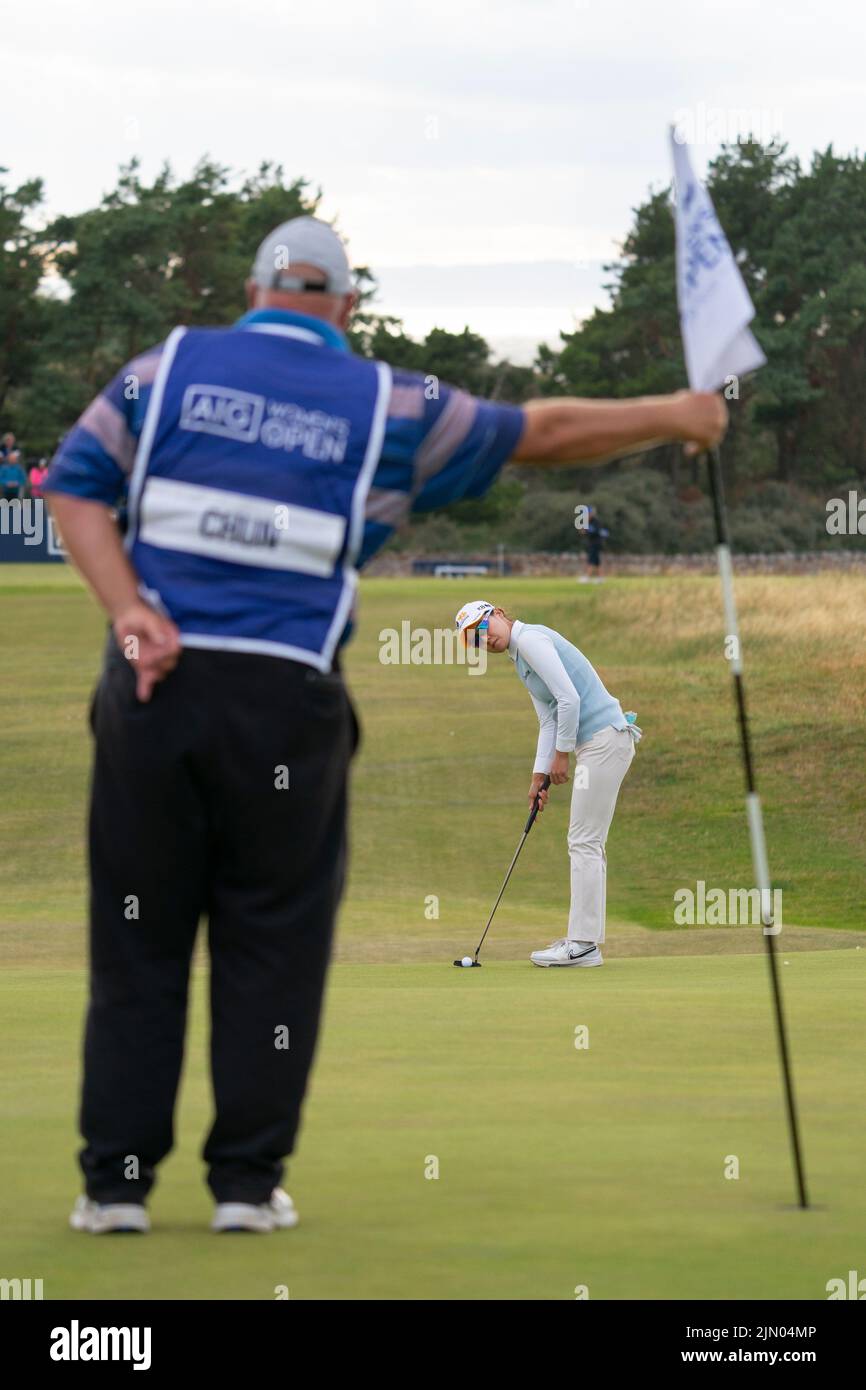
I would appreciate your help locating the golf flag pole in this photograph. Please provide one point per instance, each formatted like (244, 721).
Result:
(719, 347)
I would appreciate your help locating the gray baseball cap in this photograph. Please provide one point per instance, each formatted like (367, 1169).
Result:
(302, 241)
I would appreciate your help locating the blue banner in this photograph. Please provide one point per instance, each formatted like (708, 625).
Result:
(28, 534)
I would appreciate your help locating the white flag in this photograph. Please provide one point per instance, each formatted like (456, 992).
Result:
(715, 308)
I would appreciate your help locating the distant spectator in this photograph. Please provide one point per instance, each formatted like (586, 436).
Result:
(9, 450)
(36, 477)
(596, 535)
(13, 479)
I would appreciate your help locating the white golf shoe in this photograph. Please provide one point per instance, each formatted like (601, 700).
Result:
(114, 1218)
(566, 952)
(278, 1214)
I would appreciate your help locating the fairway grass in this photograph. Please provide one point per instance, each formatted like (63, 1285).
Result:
(558, 1167)
(440, 782)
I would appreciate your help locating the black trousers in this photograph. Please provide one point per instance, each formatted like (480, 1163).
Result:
(189, 817)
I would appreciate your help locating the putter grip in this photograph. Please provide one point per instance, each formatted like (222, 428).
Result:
(534, 812)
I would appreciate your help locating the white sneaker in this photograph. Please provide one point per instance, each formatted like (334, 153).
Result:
(566, 952)
(100, 1220)
(279, 1214)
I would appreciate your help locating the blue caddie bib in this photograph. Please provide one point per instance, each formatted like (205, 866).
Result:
(247, 498)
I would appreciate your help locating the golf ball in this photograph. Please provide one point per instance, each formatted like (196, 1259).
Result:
(466, 961)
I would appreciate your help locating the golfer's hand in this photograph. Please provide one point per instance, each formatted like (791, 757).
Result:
(537, 790)
(702, 419)
(150, 642)
(559, 769)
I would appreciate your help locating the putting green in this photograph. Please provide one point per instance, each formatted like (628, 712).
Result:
(558, 1167)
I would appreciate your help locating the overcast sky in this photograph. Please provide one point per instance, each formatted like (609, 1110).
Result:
(508, 139)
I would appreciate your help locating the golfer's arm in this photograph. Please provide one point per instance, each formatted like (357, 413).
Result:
(546, 745)
(539, 651)
(91, 537)
(568, 430)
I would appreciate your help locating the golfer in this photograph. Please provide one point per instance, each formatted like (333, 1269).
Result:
(576, 715)
(260, 465)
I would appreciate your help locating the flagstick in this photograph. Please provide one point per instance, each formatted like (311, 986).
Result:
(753, 809)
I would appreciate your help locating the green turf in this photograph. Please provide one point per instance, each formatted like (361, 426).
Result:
(558, 1167)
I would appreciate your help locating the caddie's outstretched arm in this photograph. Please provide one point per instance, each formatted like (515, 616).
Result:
(568, 430)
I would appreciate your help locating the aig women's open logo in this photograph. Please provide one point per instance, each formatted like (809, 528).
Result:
(224, 411)
(249, 419)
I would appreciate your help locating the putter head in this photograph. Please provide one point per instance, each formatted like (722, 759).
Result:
(461, 966)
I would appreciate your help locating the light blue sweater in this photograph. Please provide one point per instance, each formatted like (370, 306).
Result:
(570, 700)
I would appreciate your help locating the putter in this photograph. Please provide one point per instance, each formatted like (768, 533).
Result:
(530, 821)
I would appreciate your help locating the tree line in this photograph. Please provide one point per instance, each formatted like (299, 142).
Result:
(81, 294)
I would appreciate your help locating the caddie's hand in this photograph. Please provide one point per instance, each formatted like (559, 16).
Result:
(559, 769)
(702, 419)
(537, 790)
(150, 642)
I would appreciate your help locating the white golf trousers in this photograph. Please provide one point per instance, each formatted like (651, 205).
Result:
(604, 761)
